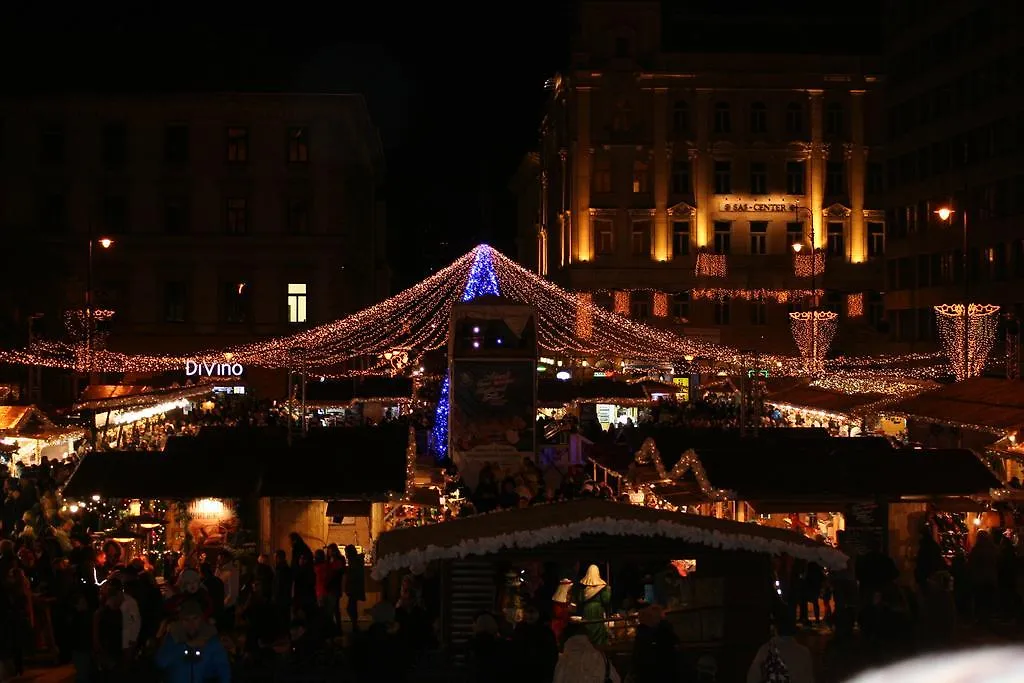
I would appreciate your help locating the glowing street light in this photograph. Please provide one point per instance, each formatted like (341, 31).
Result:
(105, 242)
(797, 246)
(944, 213)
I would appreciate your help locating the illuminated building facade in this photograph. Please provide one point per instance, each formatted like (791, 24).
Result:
(955, 120)
(672, 182)
(234, 217)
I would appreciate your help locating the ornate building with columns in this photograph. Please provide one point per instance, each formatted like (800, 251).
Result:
(672, 184)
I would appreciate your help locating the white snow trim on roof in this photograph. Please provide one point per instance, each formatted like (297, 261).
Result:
(417, 560)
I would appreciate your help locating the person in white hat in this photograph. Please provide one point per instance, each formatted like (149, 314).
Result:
(561, 608)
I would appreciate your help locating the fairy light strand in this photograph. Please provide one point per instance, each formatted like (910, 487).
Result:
(981, 322)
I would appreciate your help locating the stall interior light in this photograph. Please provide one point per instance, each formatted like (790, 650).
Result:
(563, 375)
(130, 416)
(542, 368)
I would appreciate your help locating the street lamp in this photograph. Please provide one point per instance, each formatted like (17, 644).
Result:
(90, 309)
(945, 215)
(797, 248)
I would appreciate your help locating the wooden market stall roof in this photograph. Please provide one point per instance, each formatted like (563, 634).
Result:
(351, 391)
(774, 468)
(104, 397)
(31, 423)
(350, 462)
(989, 404)
(824, 400)
(552, 392)
(542, 525)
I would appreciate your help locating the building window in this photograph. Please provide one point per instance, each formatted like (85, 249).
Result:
(298, 145)
(835, 178)
(176, 216)
(833, 301)
(640, 307)
(834, 119)
(758, 177)
(641, 243)
(641, 177)
(723, 237)
(297, 302)
(680, 238)
(758, 313)
(876, 309)
(794, 118)
(723, 177)
(680, 177)
(835, 240)
(52, 145)
(175, 300)
(794, 234)
(758, 237)
(603, 176)
(622, 120)
(723, 118)
(236, 302)
(758, 118)
(238, 145)
(604, 232)
(114, 144)
(796, 172)
(681, 305)
(115, 215)
(680, 117)
(298, 217)
(722, 313)
(876, 239)
(237, 218)
(176, 143)
(53, 213)
(623, 48)
(875, 181)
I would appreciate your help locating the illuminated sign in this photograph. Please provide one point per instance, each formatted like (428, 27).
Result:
(203, 369)
(758, 207)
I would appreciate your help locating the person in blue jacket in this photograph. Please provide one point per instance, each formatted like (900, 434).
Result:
(191, 651)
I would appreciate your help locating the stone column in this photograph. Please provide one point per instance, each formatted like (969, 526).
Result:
(661, 242)
(816, 168)
(703, 169)
(857, 152)
(563, 209)
(582, 236)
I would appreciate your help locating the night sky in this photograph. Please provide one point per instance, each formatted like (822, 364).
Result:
(457, 96)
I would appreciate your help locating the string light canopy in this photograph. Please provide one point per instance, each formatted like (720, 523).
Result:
(967, 338)
(813, 332)
(416, 320)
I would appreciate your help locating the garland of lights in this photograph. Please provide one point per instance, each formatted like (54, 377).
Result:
(416, 320)
(855, 305)
(622, 299)
(709, 264)
(981, 323)
(805, 266)
(688, 462)
(780, 296)
(660, 308)
(813, 332)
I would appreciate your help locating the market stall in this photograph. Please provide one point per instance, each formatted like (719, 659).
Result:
(495, 562)
(28, 436)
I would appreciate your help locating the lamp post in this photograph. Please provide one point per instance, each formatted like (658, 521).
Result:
(90, 310)
(797, 247)
(945, 215)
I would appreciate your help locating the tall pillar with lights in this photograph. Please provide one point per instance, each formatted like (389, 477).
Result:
(702, 167)
(661, 244)
(816, 166)
(857, 157)
(582, 238)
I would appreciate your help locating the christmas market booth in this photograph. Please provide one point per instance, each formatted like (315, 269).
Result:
(246, 488)
(118, 412)
(816, 485)
(713, 576)
(985, 414)
(27, 436)
(332, 401)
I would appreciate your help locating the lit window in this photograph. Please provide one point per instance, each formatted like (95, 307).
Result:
(297, 302)
(238, 145)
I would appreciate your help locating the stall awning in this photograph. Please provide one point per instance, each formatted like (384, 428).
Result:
(104, 397)
(347, 392)
(599, 390)
(525, 529)
(345, 463)
(983, 403)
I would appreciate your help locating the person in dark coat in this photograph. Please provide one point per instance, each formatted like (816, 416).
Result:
(654, 649)
(355, 584)
(281, 592)
(490, 655)
(534, 650)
